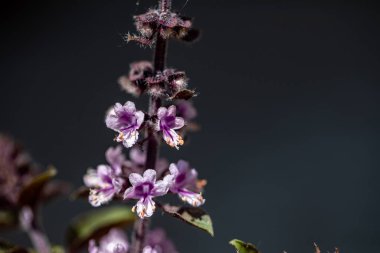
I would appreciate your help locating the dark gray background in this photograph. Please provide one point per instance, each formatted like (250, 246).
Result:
(289, 108)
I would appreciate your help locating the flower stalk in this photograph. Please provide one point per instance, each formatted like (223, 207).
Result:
(142, 225)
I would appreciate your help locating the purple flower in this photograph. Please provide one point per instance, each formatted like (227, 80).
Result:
(145, 188)
(157, 242)
(105, 181)
(125, 120)
(185, 182)
(167, 123)
(114, 242)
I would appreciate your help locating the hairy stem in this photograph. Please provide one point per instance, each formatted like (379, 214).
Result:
(141, 226)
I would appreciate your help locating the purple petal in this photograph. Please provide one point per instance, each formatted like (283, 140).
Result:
(92, 248)
(178, 123)
(171, 110)
(161, 112)
(137, 156)
(130, 193)
(162, 186)
(115, 158)
(139, 118)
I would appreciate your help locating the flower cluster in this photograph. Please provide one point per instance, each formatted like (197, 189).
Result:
(181, 180)
(166, 83)
(116, 241)
(107, 181)
(125, 120)
(165, 23)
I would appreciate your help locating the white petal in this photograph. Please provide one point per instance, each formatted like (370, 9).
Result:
(194, 199)
(150, 175)
(135, 179)
(173, 140)
(99, 197)
(145, 207)
(104, 170)
(173, 169)
(91, 179)
(148, 249)
(130, 138)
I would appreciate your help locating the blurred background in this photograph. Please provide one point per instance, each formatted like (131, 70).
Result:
(289, 101)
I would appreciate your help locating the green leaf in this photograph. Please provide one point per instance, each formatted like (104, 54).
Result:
(97, 223)
(57, 249)
(8, 218)
(31, 192)
(194, 216)
(6, 247)
(242, 247)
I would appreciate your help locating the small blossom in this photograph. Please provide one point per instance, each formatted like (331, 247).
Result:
(185, 182)
(125, 120)
(103, 184)
(157, 242)
(105, 181)
(114, 242)
(145, 188)
(168, 123)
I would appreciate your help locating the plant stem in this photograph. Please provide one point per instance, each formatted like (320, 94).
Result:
(141, 226)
